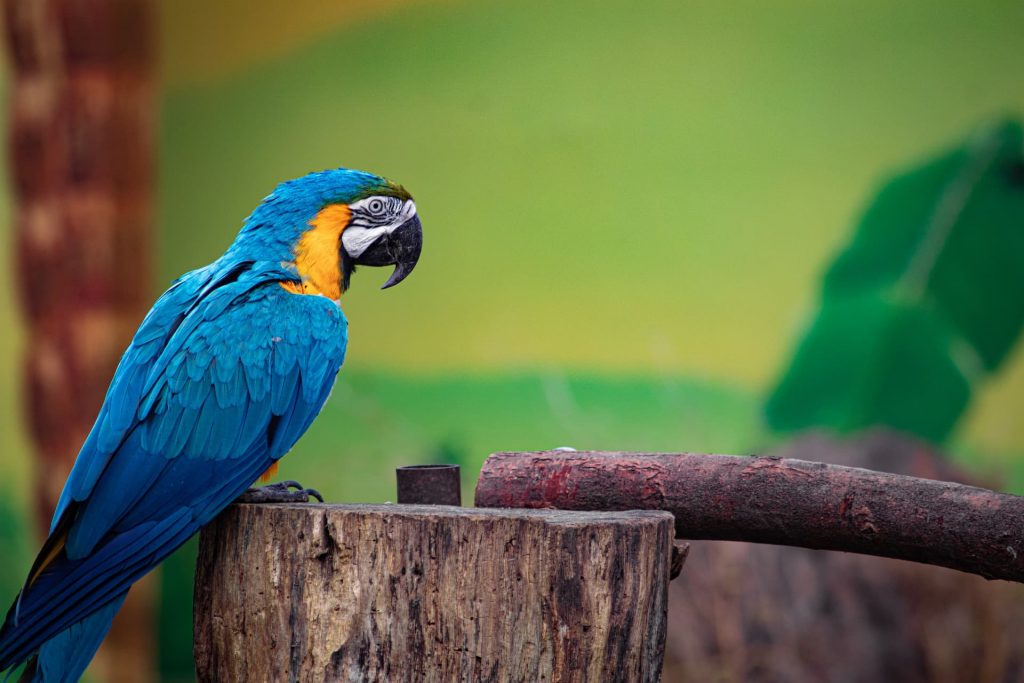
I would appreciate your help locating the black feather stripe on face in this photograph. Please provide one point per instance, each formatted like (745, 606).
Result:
(375, 211)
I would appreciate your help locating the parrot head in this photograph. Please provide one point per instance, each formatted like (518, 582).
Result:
(325, 224)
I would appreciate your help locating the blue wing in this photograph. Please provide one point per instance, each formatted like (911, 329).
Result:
(223, 376)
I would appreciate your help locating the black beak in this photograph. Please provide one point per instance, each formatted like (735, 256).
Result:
(401, 249)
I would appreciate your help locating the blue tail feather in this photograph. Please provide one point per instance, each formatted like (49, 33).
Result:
(64, 658)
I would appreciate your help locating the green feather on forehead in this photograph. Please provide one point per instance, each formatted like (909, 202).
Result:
(385, 188)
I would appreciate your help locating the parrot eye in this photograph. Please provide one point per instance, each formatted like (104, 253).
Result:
(380, 211)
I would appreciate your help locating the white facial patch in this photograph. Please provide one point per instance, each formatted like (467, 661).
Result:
(372, 219)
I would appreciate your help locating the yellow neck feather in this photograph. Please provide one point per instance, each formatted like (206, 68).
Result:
(318, 256)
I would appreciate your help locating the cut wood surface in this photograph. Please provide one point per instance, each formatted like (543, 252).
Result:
(296, 592)
(776, 500)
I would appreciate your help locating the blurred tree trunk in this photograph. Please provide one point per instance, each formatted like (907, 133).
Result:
(80, 148)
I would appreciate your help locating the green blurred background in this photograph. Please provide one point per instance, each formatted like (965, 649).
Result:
(628, 208)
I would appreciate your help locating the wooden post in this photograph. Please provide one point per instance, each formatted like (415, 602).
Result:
(431, 593)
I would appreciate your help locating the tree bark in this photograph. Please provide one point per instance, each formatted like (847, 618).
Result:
(778, 501)
(431, 593)
(81, 155)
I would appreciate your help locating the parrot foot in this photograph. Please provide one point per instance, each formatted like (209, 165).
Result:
(281, 492)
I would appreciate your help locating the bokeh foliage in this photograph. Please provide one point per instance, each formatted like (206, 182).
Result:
(925, 302)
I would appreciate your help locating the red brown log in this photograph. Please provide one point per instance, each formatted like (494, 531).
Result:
(776, 500)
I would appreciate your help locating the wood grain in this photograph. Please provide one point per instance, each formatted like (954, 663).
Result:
(431, 593)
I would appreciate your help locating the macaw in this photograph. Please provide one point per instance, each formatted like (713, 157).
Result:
(225, 373)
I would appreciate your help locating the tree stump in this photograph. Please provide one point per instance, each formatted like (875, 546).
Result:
(431, 593)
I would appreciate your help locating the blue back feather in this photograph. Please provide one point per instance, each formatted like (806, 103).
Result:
(225, 373)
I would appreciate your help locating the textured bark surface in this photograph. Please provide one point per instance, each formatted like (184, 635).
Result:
(81, 125)
(431, 593)
(762, 613)
(776, 500)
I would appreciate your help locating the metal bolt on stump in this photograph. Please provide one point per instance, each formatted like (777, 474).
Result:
(292, 592)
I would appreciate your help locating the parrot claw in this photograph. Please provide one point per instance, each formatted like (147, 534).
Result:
(281, 492)
(299, 488)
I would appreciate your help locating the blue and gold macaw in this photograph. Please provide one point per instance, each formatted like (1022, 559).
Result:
(226, 372)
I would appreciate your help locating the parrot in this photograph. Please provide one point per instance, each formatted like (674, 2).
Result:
(224, 374)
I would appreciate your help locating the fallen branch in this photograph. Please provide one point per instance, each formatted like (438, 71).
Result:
(776, 500)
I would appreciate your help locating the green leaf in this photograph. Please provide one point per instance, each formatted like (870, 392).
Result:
(926, 300)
